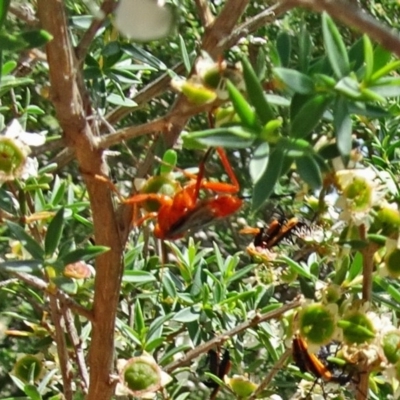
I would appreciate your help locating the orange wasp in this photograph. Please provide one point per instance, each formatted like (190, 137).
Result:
(277, 230)
(185, 210)
(315, 365)
(309, 362)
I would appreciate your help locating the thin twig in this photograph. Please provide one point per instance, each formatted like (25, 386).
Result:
(74, 113)
(24, 12)
(217, 340)
(204, 12)
(252, 24)
(62, 352)
(356, 18)
(63, 297)
(106, 8)
(158, 125)
(77, 344)
(275, 369)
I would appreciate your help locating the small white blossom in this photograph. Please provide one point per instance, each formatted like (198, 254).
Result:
(361, 190)
(14, 151)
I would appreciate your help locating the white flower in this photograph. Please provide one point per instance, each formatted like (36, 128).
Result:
(361, 190)
(14, 151)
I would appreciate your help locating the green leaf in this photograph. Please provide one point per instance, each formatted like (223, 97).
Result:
(135, 276)
(373, 95)
(296, 148)
(382, 60)
(296, 267)
(343, 127)
(309, 116)
(139, 324)
(4, 4)
(32, 392)
(36, 38)
(259, 161)
(356, 55)
(284, 47)
(28, 266)
(8, 66)
(6, 201)
(388, 288)
(67, 285)
(175, 349)
(169, 286)
(188, 314)
(242, 107)
(355, 267)
(368, 110)
(144, 56)
(9, 42)
(58, 191)
(350, 87)
(30, 244)
(256, 93)
(335, 47)
(390, 88)
(295, 80)
(156, 326)
(85, 254)
(54, 231)
(309, 171)
(227, 136)
(185, 54)
(304, 49)
(264, 187)
(118, 100)
(9, 82)
(24, 40)
(368, 58)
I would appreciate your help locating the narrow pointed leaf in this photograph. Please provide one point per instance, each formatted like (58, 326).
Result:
(4, 4)
(28, 266)
(35, 38)
(343, 127)
(242, 107)
(185, 54)
(229, 136)
(309, 171)
(335, 47)
(54, 231)
(256, 93)
(368, 58)
(304, 49)
(295, 80)
(67, 285)
(264, 187)
(85, 254)
(139, 319)
(30, 244)
(284, 47)
(309, 116)
(259, 162)
(349, 87)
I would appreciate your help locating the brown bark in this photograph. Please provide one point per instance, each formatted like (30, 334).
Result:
(72, 109)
